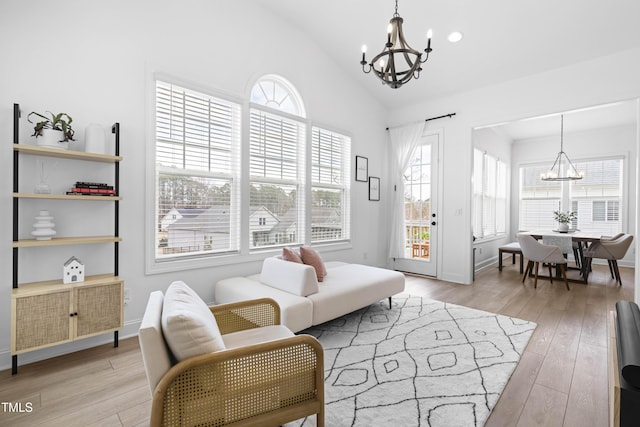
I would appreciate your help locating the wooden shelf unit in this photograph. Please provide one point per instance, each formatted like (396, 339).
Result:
(49, 313)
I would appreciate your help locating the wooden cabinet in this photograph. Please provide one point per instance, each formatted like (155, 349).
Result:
(50, 312)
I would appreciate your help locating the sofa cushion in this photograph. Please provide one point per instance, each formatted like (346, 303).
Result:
(256, 336)
(311, 257)
(188, 324)
(298, 279)
(353, 286)
(155, 354)
(289, 254)
(295, 311)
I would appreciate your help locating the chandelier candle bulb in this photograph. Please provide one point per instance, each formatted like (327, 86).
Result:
(429, 35)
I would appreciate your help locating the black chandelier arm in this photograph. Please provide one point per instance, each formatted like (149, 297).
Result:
(427, 51)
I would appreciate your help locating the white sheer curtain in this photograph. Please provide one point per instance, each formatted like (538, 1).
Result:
(404, 141)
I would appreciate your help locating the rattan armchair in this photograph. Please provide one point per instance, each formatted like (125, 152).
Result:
(267, 383)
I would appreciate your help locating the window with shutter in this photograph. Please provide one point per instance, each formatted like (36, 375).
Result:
(198, 209)
(596, 198)
(489, 195)
(197, 169)
(330, 180)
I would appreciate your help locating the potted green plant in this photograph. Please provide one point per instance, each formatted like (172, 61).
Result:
(55, 131)
(564, 218)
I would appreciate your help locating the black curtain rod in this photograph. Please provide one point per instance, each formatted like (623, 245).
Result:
(436, 118)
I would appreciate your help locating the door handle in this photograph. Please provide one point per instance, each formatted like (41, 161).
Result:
(433, 223)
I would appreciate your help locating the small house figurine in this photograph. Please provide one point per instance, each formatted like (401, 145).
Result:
(73, 271)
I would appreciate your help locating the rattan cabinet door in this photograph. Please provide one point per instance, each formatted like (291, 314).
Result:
(41, 320)
(99, 308)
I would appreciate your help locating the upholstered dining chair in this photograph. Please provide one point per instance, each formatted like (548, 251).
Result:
(612, 250)
(262, 374)
(536, 253)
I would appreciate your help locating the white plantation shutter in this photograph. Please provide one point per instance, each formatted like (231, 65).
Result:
(595, 198)
(501, 198)
(489, 195)
(598, 195)
(276, 144)
(538, 199)
(478, 169)
(197, 169)
(330, 178)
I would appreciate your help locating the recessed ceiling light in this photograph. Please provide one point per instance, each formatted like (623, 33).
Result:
(455, 37)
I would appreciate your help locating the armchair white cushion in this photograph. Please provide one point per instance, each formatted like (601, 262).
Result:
(188, 324)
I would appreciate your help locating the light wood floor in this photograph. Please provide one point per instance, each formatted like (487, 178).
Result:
(561, 379)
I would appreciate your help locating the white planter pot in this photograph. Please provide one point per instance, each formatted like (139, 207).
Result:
(563, 227)
(52, 138)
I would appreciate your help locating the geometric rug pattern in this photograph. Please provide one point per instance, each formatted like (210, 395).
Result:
(420, 363)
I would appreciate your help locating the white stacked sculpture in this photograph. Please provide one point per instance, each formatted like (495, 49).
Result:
(43, 228)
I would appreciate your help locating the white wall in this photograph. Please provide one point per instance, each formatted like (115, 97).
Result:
(95, 60)
(602, 80)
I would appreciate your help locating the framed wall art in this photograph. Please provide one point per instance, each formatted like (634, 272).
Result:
(374, 188)
(362, 169)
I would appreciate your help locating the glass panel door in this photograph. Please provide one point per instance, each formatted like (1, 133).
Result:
(420, 209)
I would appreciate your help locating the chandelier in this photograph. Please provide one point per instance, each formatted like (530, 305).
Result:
(398, 62)
(558, 172)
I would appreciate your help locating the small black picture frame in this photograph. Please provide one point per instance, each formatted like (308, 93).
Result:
(374, 188)
(362, 169)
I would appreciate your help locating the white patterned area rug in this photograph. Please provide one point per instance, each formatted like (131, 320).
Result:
(420, 363)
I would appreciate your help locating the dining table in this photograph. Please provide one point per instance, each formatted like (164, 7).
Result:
(583, 239)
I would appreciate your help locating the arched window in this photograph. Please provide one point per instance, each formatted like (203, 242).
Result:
(275, 92)
(276, 148)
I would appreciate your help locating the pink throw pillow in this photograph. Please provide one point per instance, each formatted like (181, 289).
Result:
(291, 255)
(311, 257)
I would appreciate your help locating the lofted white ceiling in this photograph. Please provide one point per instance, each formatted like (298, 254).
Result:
(503, 39)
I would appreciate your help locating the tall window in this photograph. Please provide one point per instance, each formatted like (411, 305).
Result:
(330, 177)
(489, 195)
(277, 143)
(197, 140)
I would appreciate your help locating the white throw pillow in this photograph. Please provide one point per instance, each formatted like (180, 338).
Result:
(188, 325)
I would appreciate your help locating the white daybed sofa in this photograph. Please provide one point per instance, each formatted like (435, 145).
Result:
(303, 301)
